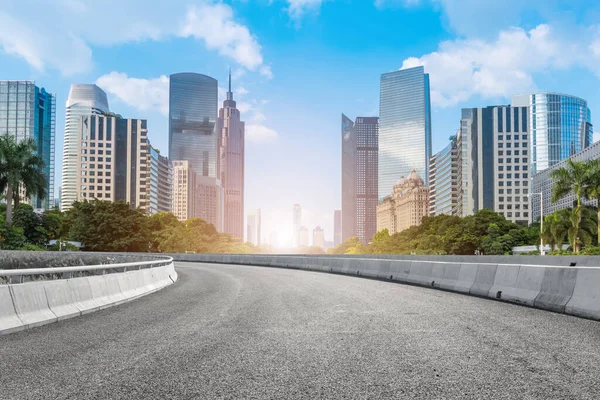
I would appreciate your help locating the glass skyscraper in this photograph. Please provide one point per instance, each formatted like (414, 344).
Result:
(404, 126)
(560, 126)
(443, 178)
(27, 111)
(192, 121)
(359, 177)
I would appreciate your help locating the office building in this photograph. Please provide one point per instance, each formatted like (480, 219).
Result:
(297, 222)
(29, 112)
(318, 237)
(493, 162)
(208, 201)
(542, 182)
(560, 126)
(160, 185)
(254, 227)
(405, 207)
(359, 177)
(184, 188)
(404, 127)
(193, 137)
(443, 180)
(303, 237)
(337, 227)
(84, 101)
(231, 149)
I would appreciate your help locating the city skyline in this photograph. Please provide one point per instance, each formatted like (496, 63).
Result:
(275, 118)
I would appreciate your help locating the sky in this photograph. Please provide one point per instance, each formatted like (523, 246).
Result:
(297, 66)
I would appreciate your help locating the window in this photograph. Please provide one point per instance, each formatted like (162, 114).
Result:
(525, 176)
(517, 176)
(500, 137)
(501, 176)
(500, 199)
(501, 168)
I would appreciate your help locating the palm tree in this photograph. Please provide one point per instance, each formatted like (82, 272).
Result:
(20, 167)
(573, 178)
(556, 228)
(592, 189)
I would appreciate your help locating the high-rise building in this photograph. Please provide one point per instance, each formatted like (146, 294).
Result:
(231, 149)
(404, 127)
(254, 227)
(184, 188)
(114, 160)
(208, 199)
(405, 207)
(542, 182)
(84, 100)
(297, 222)
(303, 237)
(359, 177)
(493, 161)
(29, 112)
(337, 227)
(160, 185)
(443, 180)
(560, 126)
(193, 137)
(318, 237)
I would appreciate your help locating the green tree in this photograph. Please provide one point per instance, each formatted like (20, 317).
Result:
(574, 178)
(31, 223)
(592, 188)
(20, 167)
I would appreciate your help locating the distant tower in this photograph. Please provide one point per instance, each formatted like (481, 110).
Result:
(337, 227)
(254, 228)
(318, 237)
(231, 149)
(297, 217)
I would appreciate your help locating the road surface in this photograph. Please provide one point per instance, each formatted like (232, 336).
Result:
(235, 332)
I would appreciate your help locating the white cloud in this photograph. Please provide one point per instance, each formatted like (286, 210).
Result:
(260, 133)
(460, 69)
(143, 94)
(65, 43)
(297, 8)
(244, 107)
(265, 71)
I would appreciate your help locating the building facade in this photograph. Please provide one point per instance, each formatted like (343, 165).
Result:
(297, 223)
(493, 162)
(337, 227)
(359, 177)
(208, 201)
(29, 112)
(184, 188)
(160, 183)
(404, 126)
(254, 227)
(231, 131)
(303, 237)
(406, 207)
(84, 101)
(560, 126)
(542, 182)
(318, 237)
(193, 137)
(443, 180)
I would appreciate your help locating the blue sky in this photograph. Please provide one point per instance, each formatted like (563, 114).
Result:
(298, 64)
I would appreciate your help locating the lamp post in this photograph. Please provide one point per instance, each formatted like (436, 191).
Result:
(541, 194)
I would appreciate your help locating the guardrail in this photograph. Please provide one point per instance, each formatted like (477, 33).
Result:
(62, 294)
(18, 275)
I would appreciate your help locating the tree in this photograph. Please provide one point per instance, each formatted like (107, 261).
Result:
(556, 228)
(31, 223)
(20, 167)
(574, 178)
(592, 188)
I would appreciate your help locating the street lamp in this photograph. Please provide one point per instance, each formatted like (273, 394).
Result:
(541, 194)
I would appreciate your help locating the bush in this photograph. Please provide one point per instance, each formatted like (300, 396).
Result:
(32, 247)
(591, 251)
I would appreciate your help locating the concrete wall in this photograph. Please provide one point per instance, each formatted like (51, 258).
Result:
(525, 280)
(31, 304)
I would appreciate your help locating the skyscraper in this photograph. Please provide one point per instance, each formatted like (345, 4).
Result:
(208, 201)
(337, 227)
(493, 162)
(560, 126)
(297, 222)
(231, 148)
(359, 177)
(193, 135)
(303, 237)
(404, 127)
(318, 237)
(254, 227)
(160, 185)
(29, 112)
(443, 179)
(184, 187)
(84, 100)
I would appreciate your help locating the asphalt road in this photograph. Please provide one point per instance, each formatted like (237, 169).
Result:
(261, 333)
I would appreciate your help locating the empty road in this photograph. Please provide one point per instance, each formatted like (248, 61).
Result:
(235, 332)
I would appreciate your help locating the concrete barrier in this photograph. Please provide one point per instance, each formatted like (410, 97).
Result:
(466, 278)
(585, 301)
(60, 299)
(527, 286)
(9, 322)
(420, 273)
(557, 288)
(484, 279)
(31, 304)
(399, 270)
(451, 276)
(505, 282)
(437, 273)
